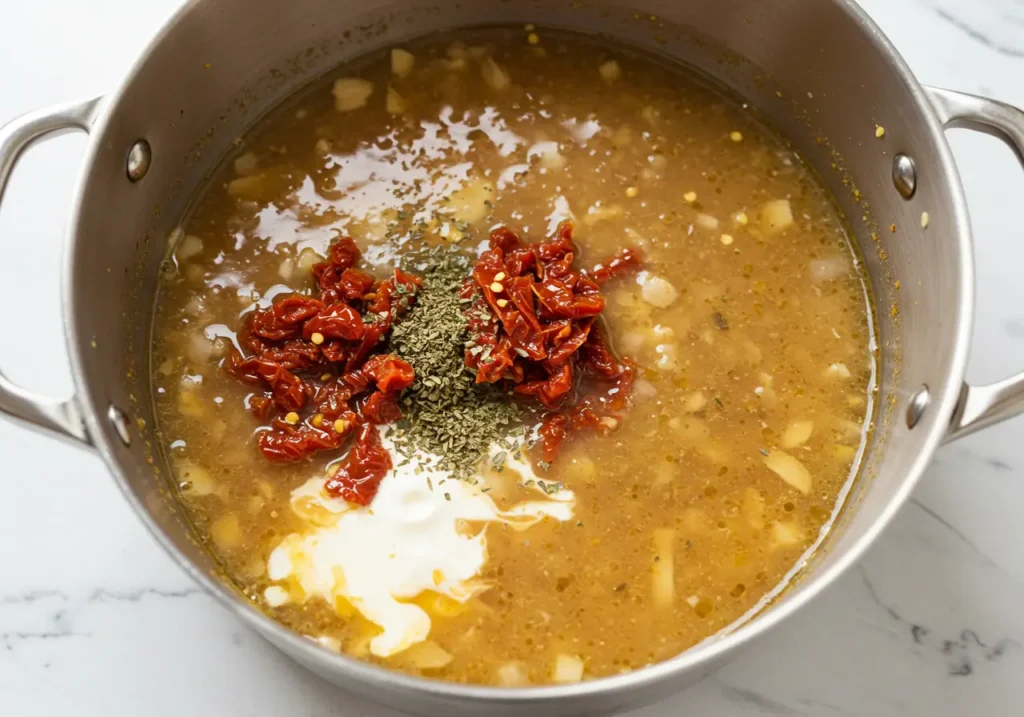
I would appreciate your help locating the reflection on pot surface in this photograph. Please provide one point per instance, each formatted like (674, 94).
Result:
(510, 359)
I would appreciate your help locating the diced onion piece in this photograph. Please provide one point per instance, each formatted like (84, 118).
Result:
(469, 204)
(494, 74)
(394, 103)
(658, 292)
(642, 388)
(837, 370)
(173, 237)
(440, 605)
(351, 93)
(632, 341)
(513, 674)
(828, 269)
(188, 247)
(696, 521)
(776, 215)
(706, 221)
(663, 585)
(189, 404)
(226, 531)
(610, 71)
(844, 453)
(246, 164)
(580, 468)
(695, 402)
(200, 349)
(427, 655)
(752, 351)
(623, 137)
(551, 158)
(276, 596)
(668, 357)
(753, 508)
(250, 187)
(194, 479)
(849, 429)
(286, 269)
(787, 534)
(402, 62)
(664, 474)
(322, 147)
(790, 470)
(568, 669)
(599, 213)
(359, 644)
(307, 258)
(796, 434)
(331, 643)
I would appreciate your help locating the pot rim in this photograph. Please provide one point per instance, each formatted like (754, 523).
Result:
(705, 652)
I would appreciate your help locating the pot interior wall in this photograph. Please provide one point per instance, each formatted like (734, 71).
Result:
(812, 69)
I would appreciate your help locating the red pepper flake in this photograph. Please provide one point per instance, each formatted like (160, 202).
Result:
(532, 325)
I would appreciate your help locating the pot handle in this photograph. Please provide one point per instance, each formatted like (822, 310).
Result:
(63, 417)
(982, 406)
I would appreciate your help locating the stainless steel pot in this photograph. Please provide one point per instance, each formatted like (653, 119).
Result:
(820, 71)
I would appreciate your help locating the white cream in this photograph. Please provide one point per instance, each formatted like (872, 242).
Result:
(409, 540)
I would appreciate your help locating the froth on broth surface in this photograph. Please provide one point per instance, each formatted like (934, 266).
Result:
(749, 326)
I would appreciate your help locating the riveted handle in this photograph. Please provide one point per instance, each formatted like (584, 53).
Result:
(60, 416)
(982, 406)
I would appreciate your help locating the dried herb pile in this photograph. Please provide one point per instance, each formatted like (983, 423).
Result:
(445, 412)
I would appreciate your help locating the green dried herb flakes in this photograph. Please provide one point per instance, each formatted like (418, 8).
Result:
(447, 413)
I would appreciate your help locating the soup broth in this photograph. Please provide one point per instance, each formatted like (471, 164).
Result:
(745, 319)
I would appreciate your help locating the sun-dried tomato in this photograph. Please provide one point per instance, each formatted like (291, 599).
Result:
(625, 261)
(362, 470)
(287, 389)
(597, 357)
(390, 373)
(332, 399)
(354, 284)
(285, 443)
(358, 355)
(261, 406)
(550, 390)
(352, 315)
(328, 274)
(294, 355)
(283, 320)
(395, 295)
(335, 350)
(380, 407)
(563, 300)
(600, 410)
(336, 321)
(531, 322)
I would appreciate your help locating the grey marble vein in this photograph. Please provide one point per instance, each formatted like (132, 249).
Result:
(978, 35)
(60, 628)
(764, 704)
(952, 529)
(961, 653)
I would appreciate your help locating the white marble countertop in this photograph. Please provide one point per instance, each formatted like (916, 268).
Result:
(96, 620)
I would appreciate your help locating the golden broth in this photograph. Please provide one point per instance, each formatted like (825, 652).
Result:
(750, 329)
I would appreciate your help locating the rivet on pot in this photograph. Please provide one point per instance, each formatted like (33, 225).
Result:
(904, 175)
(918, 403)
(120, 423)
(140, 157)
